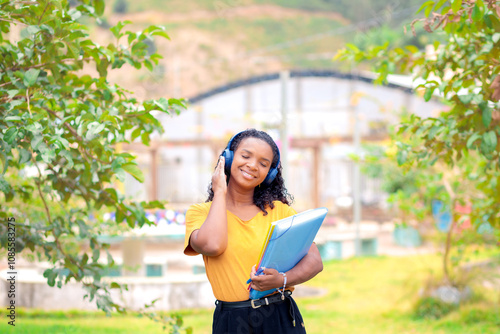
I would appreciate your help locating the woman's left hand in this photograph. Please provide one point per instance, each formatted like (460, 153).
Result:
(270, 279)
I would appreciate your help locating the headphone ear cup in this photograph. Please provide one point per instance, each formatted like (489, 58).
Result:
(228, 158)
(270, 176)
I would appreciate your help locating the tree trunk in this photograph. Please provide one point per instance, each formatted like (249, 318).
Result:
(446, 256)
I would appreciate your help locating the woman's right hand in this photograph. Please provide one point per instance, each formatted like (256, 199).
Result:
(219, 184)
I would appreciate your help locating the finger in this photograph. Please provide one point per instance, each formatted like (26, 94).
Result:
(269, 271)
(221, 166)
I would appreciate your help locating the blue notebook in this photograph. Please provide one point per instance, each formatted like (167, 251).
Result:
(287, 242)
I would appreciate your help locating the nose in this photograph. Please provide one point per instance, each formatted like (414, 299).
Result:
(251, 163)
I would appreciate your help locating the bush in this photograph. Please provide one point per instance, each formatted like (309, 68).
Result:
(479, 315)
(432, 308)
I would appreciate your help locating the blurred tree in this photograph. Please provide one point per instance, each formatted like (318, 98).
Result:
(414, 191)
(61, 120)
(464, 72)
(462, 141)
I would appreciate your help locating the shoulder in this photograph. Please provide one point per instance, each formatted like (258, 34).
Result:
(283, 209)
(199, 208)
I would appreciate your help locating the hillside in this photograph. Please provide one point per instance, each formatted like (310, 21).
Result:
(214, 42)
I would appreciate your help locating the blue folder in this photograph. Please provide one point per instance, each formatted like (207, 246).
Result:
(287, 242)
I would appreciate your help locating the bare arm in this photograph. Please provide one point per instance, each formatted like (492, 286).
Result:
(211, 238)
(307, 268)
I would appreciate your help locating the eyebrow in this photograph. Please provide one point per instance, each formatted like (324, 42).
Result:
(244, 149)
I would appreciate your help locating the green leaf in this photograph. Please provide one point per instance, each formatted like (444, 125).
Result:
(116, 30)
(440, 4)
(488, 21)
(472, 139)
(425, 5)
(113, 193)
(476, 13)
(428, 10)
(35, 142)
(490, 140)
(99, 7)
(51, 276)
(115, 285)
(428, 93)
(15, 119)
(12, 92)
(401, 156)
(456, 5)
(352, 47)
(161, 33)
(10, 135)
(68, 157)
(24, 156)
(94, 129)
(134, 170)
(148, 65)
(119, 216)
(487, 113)
(412, 48)
(96, 254)
(30, 77)
(466, 99)
(72, 267)
(3, 163)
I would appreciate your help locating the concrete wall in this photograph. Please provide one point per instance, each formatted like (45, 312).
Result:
(190, 291)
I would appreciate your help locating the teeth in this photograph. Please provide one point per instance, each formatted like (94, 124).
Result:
(246, 174)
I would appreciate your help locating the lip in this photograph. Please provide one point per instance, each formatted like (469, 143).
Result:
(247, 175)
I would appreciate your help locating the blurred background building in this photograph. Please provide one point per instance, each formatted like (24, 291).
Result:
(314, 116)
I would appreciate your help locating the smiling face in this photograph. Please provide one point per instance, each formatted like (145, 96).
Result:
(251, 163)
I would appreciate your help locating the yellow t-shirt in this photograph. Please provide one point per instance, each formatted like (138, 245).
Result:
(229, 271)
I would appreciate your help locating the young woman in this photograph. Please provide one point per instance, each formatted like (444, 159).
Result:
(247, 193)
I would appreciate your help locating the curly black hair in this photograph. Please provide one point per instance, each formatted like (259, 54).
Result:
(263, 196)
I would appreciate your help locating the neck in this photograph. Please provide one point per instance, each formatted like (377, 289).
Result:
(239, 197)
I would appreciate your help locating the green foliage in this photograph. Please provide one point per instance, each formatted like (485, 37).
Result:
(61, 123)
(464, 71)
(432, 308)
(412, 190)
(480, 315)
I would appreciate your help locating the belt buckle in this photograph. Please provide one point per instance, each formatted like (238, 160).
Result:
(253, 305)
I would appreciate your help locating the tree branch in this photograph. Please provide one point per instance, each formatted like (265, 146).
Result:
(44, 10)
(40, 190)
(74, 133)
(8, 82)
(48, 64)
(66, 125)
(14, 22)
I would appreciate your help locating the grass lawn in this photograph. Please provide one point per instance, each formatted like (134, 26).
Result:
(364, 295)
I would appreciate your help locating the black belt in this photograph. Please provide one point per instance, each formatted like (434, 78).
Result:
(256, 303)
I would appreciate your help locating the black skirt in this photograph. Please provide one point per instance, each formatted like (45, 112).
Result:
(281, 317)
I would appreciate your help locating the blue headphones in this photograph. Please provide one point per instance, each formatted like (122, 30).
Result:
(228, 155)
